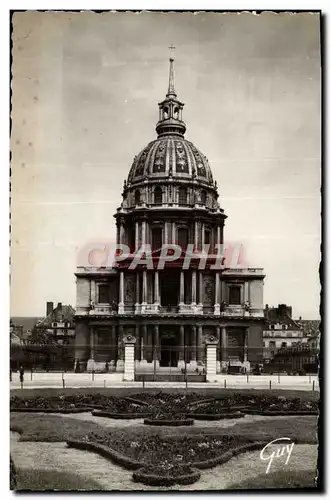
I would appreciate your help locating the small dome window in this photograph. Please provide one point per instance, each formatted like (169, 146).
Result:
(203, 197)
(158, 196)
(182, 196)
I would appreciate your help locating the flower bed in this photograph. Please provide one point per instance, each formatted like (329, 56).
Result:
(166, 476)
(76, 403)
(155, 449)
(168, 406)
(172, 468)
(169, 422)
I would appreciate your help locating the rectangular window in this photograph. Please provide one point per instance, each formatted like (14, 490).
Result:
(103, 294)
(234, 295)
(156, 238)
(207, 237)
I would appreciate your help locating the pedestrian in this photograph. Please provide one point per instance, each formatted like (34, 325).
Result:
(21, 374)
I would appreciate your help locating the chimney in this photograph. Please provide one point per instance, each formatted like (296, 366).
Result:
(59, 306)
(49, 308)
(282, 310)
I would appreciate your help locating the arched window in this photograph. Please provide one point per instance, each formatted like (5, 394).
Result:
(182, 237)
(182, 196)
(203, 197)
(158, 196)
(156, 238)
(137, 197)
(165, 113)
(176, 112)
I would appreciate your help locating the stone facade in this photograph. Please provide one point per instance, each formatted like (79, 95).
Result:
(169, 198)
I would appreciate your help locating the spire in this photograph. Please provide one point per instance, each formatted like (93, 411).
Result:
(171, 88)
(170, 109)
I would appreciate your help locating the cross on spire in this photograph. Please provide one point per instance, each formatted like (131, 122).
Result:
(172, 49)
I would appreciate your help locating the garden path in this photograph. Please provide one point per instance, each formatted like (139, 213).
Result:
(57, 457)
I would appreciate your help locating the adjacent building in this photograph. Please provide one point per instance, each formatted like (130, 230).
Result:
(169, 197)
(281, 330)
(59, 322)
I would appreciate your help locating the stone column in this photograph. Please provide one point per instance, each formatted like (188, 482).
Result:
(202, 235)
(246, 362)
(113, 345)
(193, 360)
(165, 233)
(137, 236)
(200, 289)
(196, 234)
(218, 235)
(181, 361)
(173, 231)
(199, 344)
(217, 309)
(122, 234)
(144, 342)
(156, 353)
(211, 368)
(91, 363)
(156, 289)
(246, 295)
(194, 288)
(144, 301)
(120, 357)
(143, 233)
(223, 346)
(121, 302)
(182, 289)
(129, 343)
(218, 352)
(138, 345)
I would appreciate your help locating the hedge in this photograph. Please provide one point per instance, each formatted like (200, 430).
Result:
(160, 480)
(171, 423)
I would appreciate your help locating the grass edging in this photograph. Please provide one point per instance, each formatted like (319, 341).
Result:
(214, 416)
(281, 413)
(106, 452)
(159, 480)
(169, 423)
(108, 414)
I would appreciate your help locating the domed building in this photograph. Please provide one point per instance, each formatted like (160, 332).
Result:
(169, 305)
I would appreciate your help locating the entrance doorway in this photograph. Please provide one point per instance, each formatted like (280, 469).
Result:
(169, 351)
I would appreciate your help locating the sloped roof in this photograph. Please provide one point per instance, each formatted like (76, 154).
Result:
(68, 313)
(283, 319)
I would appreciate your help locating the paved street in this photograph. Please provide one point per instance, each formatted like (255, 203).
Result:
(40, 380)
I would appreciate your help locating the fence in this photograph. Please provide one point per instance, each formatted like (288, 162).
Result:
(166, 358)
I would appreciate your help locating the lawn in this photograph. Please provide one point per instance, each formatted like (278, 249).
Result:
(41, 480)
(279, 479)
(55, 428)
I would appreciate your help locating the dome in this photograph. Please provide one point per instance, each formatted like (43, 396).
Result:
(170, 156)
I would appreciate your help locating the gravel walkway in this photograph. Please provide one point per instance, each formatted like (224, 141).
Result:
(139, 422)
(57, 457)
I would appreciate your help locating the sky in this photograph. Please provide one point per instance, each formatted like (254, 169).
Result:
(85, 89)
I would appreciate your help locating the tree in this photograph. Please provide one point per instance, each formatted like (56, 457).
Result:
(40, 336)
